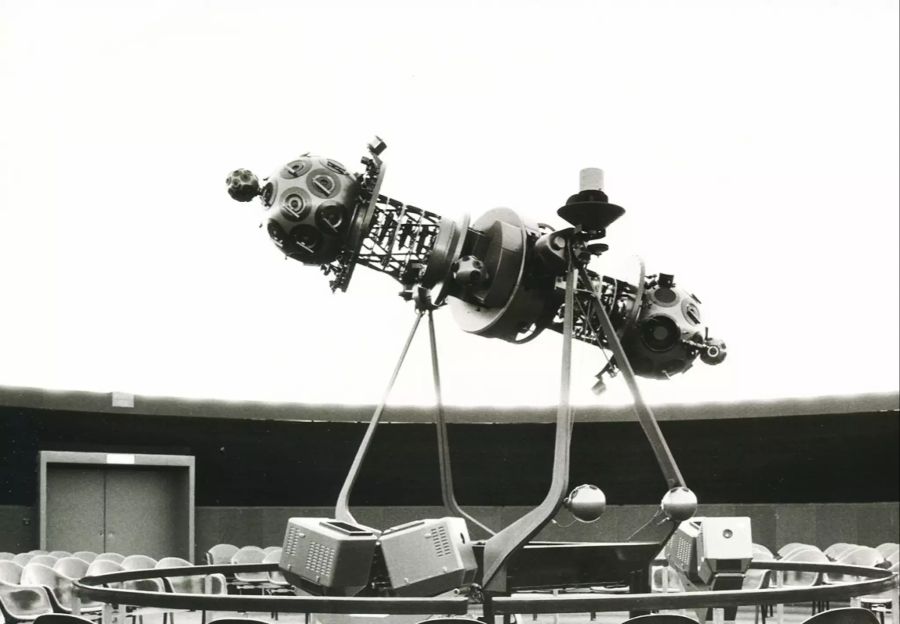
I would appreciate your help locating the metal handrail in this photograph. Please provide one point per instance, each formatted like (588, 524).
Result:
(87, 589)
(877, 580)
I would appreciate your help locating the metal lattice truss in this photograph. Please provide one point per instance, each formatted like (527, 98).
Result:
(400, 240)
(618, 298)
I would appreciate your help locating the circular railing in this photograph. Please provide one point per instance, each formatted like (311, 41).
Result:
(873, 581)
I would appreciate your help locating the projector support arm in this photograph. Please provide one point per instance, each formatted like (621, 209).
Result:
(447, 490)
(501, 546)
(342, 507)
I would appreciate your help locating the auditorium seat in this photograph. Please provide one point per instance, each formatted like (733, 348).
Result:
(847, 615)
(181, 584)
(144, 562)
(276, 578)
(209, 584)
(220, 554)
(58, 586)
(804, 553)
(86, 555)
(59, 554)
(759, 579)
(250, 580)
(808, 554)
(22, 603)
(104, 566)
(6, 556)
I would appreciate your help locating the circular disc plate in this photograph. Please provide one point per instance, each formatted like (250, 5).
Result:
(477, 319)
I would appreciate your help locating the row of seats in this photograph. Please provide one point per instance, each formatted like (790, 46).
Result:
(883, 556)
(43, 584)
(261, 582)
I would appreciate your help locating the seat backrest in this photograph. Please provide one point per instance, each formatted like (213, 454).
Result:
(834, 551)
(808, 554)
(790, 547)
(38, 574)
(273, 556)
(248, 554)
(847, 615)
(47, 560)
(73, 567)
(59, 554)
(10, 572)
(22, 558)
(103, 566)
(6, 556)
(855, 555)
(138, 562)
(85, 555)
(661, 618)
(111, 556)
(220, 553)
(864, 556)
(889, 550)
(173, 562)
(269, 549)
(37, 551)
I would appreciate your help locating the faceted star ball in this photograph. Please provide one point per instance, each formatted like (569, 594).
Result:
(243, 185)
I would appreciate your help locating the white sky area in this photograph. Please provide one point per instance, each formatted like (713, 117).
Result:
(753, 144)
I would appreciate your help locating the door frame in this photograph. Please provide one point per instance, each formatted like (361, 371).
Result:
(114, 459)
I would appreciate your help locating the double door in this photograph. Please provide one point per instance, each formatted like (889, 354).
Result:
(91, 501)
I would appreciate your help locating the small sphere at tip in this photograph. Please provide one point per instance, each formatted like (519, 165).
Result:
(586, 502)
(679, 504)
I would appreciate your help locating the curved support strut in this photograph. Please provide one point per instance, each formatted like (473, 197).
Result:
(501, 546)
(342, 508)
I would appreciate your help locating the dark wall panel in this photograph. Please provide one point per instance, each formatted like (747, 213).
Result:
(248, 463)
